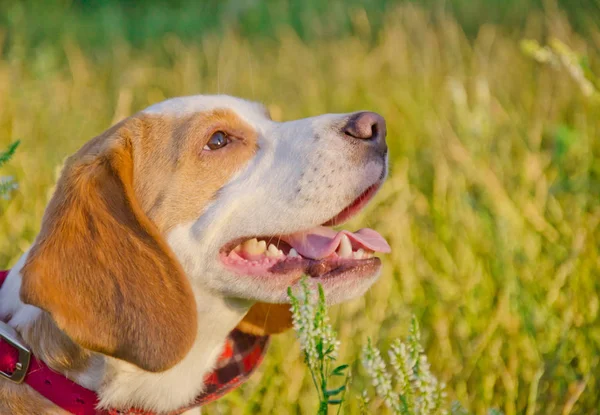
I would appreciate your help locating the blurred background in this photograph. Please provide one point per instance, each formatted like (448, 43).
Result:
(492, 207)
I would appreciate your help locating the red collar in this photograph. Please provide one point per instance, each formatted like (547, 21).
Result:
(241, 355)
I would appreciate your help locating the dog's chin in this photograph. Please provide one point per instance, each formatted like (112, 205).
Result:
(341, 280)
(348, 282)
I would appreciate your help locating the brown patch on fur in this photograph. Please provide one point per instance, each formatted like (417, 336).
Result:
(100, 267)
(23, 400)
(264, 319)
(176, 179)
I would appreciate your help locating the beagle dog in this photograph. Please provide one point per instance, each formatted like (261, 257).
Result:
(177, 226)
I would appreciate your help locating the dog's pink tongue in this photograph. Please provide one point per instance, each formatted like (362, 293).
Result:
(321, 242)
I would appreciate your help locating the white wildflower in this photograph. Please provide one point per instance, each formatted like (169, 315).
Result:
(381, 379)
(7, 185)
(311, 322)
(403, 365)
(303, 317)
(416, 391)
(318, 342)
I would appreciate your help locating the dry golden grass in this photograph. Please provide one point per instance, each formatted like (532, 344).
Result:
(492, 207)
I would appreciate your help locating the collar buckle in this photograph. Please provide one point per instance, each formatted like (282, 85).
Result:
(10, 336)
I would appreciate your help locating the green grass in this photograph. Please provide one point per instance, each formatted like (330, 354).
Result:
(492, 207)
(96, 24)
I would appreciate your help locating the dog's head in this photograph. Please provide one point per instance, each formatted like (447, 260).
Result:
(202, 193)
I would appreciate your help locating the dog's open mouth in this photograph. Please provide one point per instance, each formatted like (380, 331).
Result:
(319, 252)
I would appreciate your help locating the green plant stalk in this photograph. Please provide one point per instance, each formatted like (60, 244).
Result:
(5, 156)
(7, 184)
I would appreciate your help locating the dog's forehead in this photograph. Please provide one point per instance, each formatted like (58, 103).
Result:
(249, 111)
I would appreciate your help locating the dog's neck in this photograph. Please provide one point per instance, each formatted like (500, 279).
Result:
(120, 384)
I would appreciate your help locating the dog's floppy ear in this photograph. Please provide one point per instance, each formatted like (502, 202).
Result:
(263, 319)
(100, 267)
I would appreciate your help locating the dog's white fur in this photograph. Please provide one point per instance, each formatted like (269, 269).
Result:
(302, 175)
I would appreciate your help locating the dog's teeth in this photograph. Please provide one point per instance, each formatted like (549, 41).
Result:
(250, 245)
(254, 247)
(293, 253)
(237, 248)
(273, 252)
(360, 254)
(368, 254)
(250, 242)
(345, 248)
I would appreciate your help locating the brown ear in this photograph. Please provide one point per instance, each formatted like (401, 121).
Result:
(263, 319)
(100, 267)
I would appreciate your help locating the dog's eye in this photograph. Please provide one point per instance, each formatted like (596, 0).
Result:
(217, 140)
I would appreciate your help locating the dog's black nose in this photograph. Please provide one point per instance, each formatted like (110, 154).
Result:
(369, 127)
